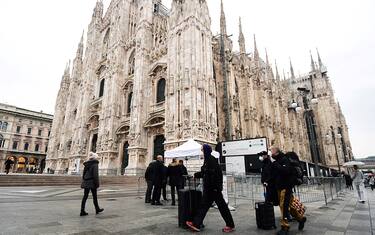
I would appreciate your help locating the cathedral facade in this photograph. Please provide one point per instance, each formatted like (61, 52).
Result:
(148, 78)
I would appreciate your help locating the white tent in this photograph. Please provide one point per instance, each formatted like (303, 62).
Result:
(190, 149)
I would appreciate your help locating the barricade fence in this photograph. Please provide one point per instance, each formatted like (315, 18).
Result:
(317, 189)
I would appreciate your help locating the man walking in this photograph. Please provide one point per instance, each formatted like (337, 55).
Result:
(284, 182)
(212, 192)
(8, 164)
(157, 169)
(358, 178)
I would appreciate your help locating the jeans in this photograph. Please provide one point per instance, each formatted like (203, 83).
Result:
(174, 188)
(208, 198)
(156, 194)
(94, 198)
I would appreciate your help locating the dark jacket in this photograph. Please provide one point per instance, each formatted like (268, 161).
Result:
(155, 173)
(282, 173)
(210, 172)
(266, 171)
(90, 177)
(175, 174)
(8, 163)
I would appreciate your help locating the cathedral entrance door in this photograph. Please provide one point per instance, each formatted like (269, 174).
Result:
(159, 146)
(125, 158)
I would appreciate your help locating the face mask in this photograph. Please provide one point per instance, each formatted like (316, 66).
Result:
(261, 159)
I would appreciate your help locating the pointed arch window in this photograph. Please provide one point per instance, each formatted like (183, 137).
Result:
(101, 88)
(160, 94)
(130, 97)
(36, 147)
(131, 63)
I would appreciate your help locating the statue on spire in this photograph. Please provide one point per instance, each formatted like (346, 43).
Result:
(223, 21)
(291, 69)
(241, 39)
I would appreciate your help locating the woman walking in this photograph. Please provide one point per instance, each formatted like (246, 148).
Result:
(90, 182)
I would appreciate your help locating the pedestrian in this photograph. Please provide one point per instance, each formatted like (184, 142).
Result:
(358, 178)
(266, 179)
(157, 180)
(148, 178)
(212, 192)
(184, 172)
(284, 178)
(175, 176)
(90, 182)
(372, 182)
(8, 164)
(348, 181)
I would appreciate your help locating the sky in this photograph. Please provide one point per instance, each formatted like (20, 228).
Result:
(38, 37)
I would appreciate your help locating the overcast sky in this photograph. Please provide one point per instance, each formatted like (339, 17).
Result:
(38, 37)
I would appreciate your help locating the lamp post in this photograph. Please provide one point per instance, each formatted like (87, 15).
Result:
(310, 123)
(334, 143)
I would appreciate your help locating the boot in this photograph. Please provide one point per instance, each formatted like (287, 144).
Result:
(83, 213)
(99, 210)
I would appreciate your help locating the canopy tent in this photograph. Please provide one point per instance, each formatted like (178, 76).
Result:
(353, 163)
(190, 149)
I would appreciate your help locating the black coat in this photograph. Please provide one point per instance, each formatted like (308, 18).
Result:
(175, 174)
(266, 171)
(282, 173)
(8, 163)
(155, 173)
(90, 177)
(212, 175)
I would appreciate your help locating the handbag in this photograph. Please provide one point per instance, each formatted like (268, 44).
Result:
(297, 207)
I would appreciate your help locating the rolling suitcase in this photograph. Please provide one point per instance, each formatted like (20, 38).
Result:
(265, 215)
(189, 201)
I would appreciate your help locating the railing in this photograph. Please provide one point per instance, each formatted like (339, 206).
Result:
(250, 188)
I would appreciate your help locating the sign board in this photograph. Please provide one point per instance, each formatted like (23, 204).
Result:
(244, 147)
(235, 165)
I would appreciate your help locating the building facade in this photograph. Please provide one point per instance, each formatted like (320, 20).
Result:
(24, 138)
(150, 78)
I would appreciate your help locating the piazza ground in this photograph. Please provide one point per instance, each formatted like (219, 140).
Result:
(55, 210)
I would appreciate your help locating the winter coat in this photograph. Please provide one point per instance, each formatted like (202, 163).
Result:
(358, 177)
(155, 173)
(8, 163)
(282, 172)
(266, 171)
(90, 177)
(210, 172)
(175, 174)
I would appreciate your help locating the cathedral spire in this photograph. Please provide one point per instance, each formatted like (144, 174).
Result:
(277, 72)
(256, 53)
(79, 53)
(267, 61)
(319, 59)
(312, 63)
(223, 21)
(67, 69)
(241, 39)
(268, 66)
(291, 69)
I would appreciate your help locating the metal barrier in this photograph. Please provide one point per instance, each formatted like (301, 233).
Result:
(250, 188)
(141, 187)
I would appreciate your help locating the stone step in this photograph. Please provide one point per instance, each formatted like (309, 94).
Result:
(53, 180)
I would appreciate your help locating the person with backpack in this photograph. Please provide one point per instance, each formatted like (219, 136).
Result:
(284, 175)
(212, 192)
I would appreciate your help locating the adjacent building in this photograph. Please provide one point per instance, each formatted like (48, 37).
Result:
(148, 78)
(24, 138)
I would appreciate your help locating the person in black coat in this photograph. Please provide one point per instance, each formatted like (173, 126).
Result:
(184, 172)
(267, 180)
(157, 177)
(148, 178)
(175, 178)
(212, 192)
(90, 182)
(282, 174)
(164, 182)
(8, 164)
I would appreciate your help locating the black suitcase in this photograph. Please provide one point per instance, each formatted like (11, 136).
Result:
(189, 201)
(265, 215)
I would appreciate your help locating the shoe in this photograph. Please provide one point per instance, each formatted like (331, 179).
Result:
(227, 229)
(158, 204)
(282, 232)
(147, 201)
(173, 204)
(83, 213)
(100, 210)
(301, 224)
(192, 227)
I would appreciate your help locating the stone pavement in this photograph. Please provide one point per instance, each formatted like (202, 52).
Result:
(55, 210)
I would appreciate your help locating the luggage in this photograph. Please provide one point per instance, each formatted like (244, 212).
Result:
(265, 215)
(189, 201)
(297, 209)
